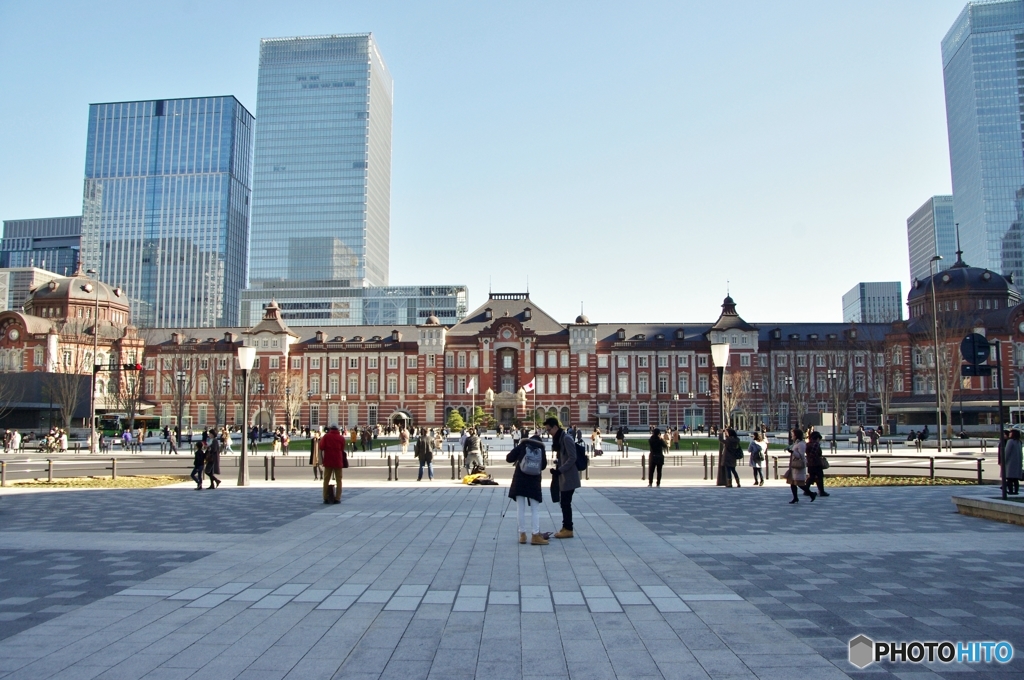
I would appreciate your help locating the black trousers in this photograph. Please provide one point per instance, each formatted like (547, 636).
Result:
(652, 468)
(1012, 485)
(816, 475)
(565, 500)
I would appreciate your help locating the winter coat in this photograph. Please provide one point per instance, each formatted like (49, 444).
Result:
(657, 445)
(523, 484)
(754, 462)
(733, 451)
(1012, 455)
(799, 452)
(213, 458)
(565, 450)
(314, 451)
(425, 448)
(332, 449)
(813, 453)
(200, 456)
(472, 445)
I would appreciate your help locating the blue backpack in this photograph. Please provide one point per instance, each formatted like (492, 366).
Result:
(581, 456)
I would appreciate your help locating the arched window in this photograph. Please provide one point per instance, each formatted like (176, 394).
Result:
(431, 385)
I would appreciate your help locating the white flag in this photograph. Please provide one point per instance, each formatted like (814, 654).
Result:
(528, 387)
(471, 387)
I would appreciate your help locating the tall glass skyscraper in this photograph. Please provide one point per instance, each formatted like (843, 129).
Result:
(322, 176)
(166, 206)
(983, 70)
(930, 232)
(48, 243)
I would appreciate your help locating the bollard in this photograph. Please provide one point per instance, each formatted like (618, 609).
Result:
(587, 473)
(266, 469)
(3, 473)
(705, 466)
(643, 467)
(113, 468)
(452, 457)
(49, 470)
(775, 464)
(931, 467)
(979, 470)
(714, 470)
(273, 462)
(396, 467)
(389, 468)
(625, 450)
(867, 464)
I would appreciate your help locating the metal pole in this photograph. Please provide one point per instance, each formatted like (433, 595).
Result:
(938, 362)
(93, 443)
(243, 461)
(999, 383)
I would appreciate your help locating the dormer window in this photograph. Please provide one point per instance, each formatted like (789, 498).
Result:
(621, 334)
(528, 313)
(488, 313)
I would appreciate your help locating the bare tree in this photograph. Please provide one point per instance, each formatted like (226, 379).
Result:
(734, 396)
(126, 386)
(883, 384)
(73, 364)
(10, 392)
(217, 391)
(294, 397)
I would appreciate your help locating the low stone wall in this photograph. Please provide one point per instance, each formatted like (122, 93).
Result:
(996, 509)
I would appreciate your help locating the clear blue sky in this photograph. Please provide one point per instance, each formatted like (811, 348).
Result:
(633, 156)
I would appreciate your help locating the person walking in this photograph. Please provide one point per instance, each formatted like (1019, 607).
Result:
(620, 438)
(225, 442)
(815, 467)
(403, 439)
(254, 435)
(1012, 454)
(597, 442)
(198, 465)
(315, 459)
(213, 461)
(758, 451)
(657, 459)
(424, 451)
(332, 448)
(732, 453)
(860, 438)
(471, 451)
(565, 469)
(796, 475)
(530, 460)
(873, 437)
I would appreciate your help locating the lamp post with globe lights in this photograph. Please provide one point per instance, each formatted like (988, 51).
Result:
(720, 357)
(246, 358)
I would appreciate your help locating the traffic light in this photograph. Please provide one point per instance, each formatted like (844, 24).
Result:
(131, 367)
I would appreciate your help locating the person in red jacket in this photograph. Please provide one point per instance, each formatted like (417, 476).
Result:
(332, 448)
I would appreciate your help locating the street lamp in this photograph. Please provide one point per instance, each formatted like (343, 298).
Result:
(720, 357)
(675, 398)
(246, 358)
(689, 424)
(938, 363)
(755, 387)
(89, 288)
(832, 375)
(788, 381)
(181, 377)
(225, 382)
(288, 409)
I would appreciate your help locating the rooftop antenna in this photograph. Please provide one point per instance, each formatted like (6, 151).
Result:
(959, 252)
(527, 284)
(490, 286)
(727, 293)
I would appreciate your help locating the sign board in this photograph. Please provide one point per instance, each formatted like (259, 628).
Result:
(974, 349)
(968, 370)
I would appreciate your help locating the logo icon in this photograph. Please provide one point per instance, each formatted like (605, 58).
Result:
(862, 651)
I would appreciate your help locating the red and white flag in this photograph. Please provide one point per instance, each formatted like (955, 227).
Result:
(528, 387)
(471, 386)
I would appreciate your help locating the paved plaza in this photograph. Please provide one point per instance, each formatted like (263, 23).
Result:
(410, 582)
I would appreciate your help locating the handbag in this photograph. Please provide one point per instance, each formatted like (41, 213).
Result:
(796, 463)
(824, 463)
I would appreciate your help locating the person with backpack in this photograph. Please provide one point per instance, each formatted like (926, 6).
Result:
(758, 450)
(657, 460)
(472, 452)
(424, 451)
(565, 470)
(732, 454)
(530, 460)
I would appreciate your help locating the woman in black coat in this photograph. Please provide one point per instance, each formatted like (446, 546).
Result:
(213, 461)
(657, 461)
(526, 488)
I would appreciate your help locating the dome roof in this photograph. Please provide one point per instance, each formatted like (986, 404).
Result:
(582, 318)
(433, 321)
(78, 288)
(962, 279)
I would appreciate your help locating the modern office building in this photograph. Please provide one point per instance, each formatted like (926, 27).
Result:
(17, 284)
(981, 55)
(50, 243)
(165, 213)
(322, 176)
(930, 232)
(364, 306)
(874, 303)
